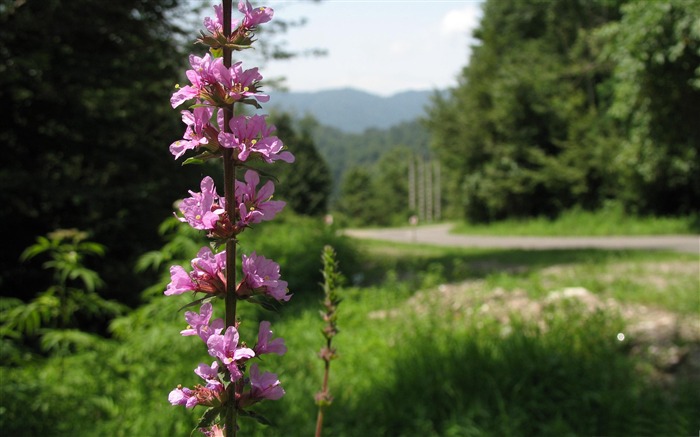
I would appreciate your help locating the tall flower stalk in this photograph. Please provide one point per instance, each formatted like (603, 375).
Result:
(332, 279)
(214, 130)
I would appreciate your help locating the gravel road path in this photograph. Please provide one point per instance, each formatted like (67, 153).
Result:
(440, 235)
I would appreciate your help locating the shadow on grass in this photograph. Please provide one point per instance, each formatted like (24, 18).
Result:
(409, 262)
(573, 378)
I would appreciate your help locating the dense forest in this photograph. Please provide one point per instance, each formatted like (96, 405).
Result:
(87, 130)
(575, 103)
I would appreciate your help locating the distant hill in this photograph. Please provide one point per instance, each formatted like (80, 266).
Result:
(344, 150)
(351, 110)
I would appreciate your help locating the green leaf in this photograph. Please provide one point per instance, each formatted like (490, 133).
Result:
(43, 244)
(149, 260)
(208, 418)
(265, 303)
(252, 414)
(195, 302)
(201, 158)
(193, 160)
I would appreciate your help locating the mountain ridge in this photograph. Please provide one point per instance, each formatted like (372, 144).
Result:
(352, 110)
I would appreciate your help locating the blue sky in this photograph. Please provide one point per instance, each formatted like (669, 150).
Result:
(379, 46)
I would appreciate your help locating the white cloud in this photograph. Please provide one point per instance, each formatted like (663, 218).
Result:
(461, 21)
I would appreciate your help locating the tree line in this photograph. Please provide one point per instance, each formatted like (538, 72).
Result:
(86, 129)
(574, 104)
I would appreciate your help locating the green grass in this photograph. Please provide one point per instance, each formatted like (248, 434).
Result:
(410, 366)
(410, 361)
(576, 222)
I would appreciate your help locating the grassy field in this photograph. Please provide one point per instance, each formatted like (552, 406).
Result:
(433, 341)
(605, 222)
(465, 343)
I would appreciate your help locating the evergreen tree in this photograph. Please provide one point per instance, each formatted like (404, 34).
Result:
(306, 186)
(356, 201)
(655, 50)
(86, 128)
(510, 136)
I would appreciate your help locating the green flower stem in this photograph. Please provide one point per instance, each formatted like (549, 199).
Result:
(230, 420)
(324, 389)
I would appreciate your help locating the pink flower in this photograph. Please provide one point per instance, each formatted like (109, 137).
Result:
(204, 209)
(261, 275)
(198, 127)
(182, 396)
(264, 345)
(198, 323)
(215, 25)
(211, 375)
(209, 395)
(180, 281)
(253, 206)
(214, 84)
(225, 348)
(208, 373)
(242, 84)
(254, 16)
(265, 386)
(201, 75)
(208, 275)
(214, 431)
(251, 135)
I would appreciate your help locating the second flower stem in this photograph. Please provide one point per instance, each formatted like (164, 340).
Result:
(230, 421)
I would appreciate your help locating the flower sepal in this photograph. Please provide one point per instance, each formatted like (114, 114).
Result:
(217, 41)
(251, 102)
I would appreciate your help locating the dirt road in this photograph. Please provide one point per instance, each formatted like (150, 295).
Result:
(440, 235)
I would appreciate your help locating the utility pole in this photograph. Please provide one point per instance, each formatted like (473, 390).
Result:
(412, 184)
(436, 192)
(420, 186)
(428, 190)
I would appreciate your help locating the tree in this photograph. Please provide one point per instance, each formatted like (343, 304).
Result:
(357, 202)
(86, 89)
(510, 135)
(305, 186)
(655, 50)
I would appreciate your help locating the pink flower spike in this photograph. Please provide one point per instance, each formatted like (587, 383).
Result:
(264, 345)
